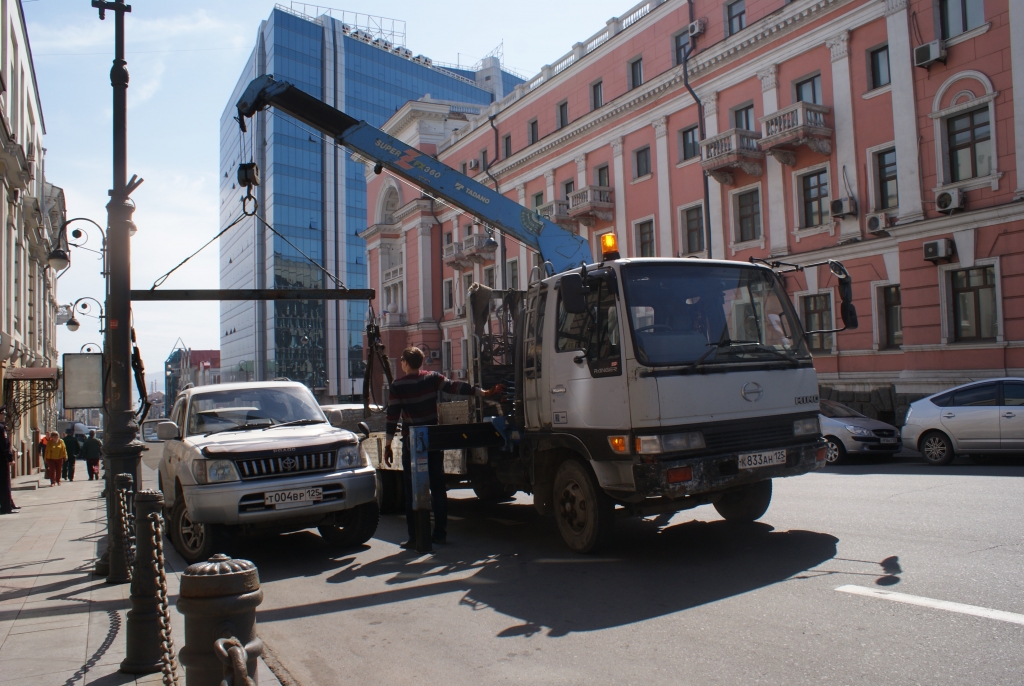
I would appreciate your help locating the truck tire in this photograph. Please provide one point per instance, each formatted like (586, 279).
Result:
(937, 449)
(584, 513)
(195, 542)
(493, 491)
(745, 503)
(389, 491)
(360, 525)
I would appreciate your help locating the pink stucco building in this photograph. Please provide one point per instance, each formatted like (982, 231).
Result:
(884, 133)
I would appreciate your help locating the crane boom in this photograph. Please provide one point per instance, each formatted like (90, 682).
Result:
(562, 248)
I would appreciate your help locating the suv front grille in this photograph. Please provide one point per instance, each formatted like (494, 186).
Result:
(286, 465)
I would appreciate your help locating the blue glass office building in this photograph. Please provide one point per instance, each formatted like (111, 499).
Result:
(314, 196)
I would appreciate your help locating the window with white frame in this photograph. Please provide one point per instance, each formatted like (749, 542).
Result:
(809, 90)
(508, 145)
(959, 16)
(596, 95)
(642, 162)
(748, 215)
(562, 115)
(512, 273)
(644, 232)
(887, 184)
(892, 317)
(636, 73)
(601, 176)
(446, 354)
(974, 304)
(568, 188)
(692, 221)
(817, 312)
(489, 277)
(447, 295)
(970, 145)
(464, 350)
(689, 143)
(743, 118)
(532, 132)
(538, 199)
(814, 207)
(467, 281)
(735, 17)
(680, 42)
(878, 60)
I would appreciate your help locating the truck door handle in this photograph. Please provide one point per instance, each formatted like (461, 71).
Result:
(1009, 415)
(558, 389)
(948, 415)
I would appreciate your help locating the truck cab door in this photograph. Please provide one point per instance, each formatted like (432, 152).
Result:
(536, 400)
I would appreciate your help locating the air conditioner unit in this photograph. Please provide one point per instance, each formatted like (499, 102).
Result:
(929, 53)
(844, 207)
(460, 373)
(474, 164)
(878, 222)
(435, 354)
(948, 201)
(460, 311)
(941, 249)
(696, 28)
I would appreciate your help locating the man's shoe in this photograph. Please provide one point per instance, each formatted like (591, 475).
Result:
(408, 545)
(439, 538)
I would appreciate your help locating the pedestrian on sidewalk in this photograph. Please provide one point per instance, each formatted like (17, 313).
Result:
(92, 450)
(55, 457)
(7, 505)
(73, 449)
(413, 398)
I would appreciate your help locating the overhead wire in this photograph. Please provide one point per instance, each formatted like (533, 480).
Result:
(160, 281)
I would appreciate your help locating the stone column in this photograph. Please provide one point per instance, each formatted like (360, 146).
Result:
(619, 172)
(549, 186)
(844, 182)
(774, 171)
(664, 188)
(425, 260)
(719, 230)
(581, 181)
(904, 110)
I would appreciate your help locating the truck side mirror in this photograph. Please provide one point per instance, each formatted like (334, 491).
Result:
(574, 297)
(364, 430)
(847, 311)
(167, 431)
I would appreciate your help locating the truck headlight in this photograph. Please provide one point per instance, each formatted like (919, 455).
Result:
(214, 471)
(669, 443)
(859, 431)
(351, 457)
(806, 427)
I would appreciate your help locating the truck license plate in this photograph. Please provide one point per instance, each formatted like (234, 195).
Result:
(888, 440)
(754, 460)
(297, 497)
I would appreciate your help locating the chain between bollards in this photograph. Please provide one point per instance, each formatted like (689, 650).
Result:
(234, 657)
(169, 658)
(125, 528)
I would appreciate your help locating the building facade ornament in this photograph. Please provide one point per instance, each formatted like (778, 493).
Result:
(660, 127)
(710, 103)
(549, 176)
(839, 45)
(581, 164)
(894, 6)
(616, 144)
(769, 77)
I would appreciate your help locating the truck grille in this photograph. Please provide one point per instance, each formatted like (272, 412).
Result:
(286, 465)
(770, 432)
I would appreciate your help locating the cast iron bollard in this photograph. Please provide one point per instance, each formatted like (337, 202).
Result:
(145, 646)
(218, 598)
(120, 546)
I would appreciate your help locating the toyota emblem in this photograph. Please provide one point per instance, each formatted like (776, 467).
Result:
(752, 392)
(290, 463)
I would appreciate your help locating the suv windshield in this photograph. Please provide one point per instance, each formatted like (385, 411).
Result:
(684, 313)
(254, 408)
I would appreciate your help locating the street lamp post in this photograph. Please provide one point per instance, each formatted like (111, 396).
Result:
(59, 258)
(73, 323)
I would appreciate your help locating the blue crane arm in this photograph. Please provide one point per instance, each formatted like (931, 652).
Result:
(563, 249)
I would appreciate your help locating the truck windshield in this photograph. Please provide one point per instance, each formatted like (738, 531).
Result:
(251, 408)
(684, 313)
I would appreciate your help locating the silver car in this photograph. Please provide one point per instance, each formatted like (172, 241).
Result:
(978, 418)
(851, 433)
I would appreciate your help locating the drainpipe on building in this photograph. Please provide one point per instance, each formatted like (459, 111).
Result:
(700, 132)
(497, 151)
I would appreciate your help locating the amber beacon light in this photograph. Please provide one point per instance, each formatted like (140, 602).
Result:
(609, 246)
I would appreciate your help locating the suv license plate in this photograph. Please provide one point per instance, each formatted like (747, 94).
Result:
(768, 459)
(888, 440)
(282, 500)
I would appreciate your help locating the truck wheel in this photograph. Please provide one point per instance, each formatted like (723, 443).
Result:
(745, 503)
(389, 491)
(493, 491)
(194, 541)
(360, 525)
(835, 451)
(585, 514)
(937, 449)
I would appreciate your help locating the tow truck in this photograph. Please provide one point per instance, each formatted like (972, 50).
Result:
(634, 386)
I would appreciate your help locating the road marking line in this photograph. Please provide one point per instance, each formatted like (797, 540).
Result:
(974, 610)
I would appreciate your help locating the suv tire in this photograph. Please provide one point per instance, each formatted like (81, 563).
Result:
(937, 449)
(359, 527)
(584, 513)
(195, 542)
(745, 503)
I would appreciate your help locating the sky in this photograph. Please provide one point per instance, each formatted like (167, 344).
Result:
(183, 63)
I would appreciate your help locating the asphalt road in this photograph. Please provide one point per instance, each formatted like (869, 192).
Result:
(686, 600)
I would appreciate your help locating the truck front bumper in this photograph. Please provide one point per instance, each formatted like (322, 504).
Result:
(711, 473)
(242, 502)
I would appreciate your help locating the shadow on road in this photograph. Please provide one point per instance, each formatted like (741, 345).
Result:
(964, 465)
(508, 558)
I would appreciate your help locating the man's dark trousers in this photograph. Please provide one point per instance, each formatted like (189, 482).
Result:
(438, 491)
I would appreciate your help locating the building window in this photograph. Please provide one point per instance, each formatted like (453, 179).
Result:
(446, 353)
(880, 67)
(538, 200)
(512, 272)
(970, 145)
(563, 115)
(814, 192)
(818, 316)
(893, 316)
(448, 238)
(748, 214)
(464, 350)
(467, 281)
(596, 95)
(568, 188)
(679, 44)
(636, 73)
(447, 294)
(736, 16)
(689, 143)
(463, 168)
(645, 239)
(508, 146)
(958, 16)
(489, 277)
(888, 191)
(693, 230)
(601, 176)
(743, 118)
(974, 304)
(483, 160)
(532, 132)
(642, 162)
(809, 90)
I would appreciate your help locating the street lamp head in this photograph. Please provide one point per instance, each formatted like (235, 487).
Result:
(73, 324)
(132, 228)
(58, 259)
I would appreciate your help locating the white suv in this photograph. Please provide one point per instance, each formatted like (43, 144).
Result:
(260, 457)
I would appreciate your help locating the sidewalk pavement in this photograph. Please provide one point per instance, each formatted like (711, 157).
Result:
(59, 624)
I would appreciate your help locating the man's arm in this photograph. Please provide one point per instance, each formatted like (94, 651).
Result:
(463, 388)
(392, 415)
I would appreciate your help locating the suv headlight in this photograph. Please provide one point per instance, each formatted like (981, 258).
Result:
(669, 443)
(806, 427)
(859, 431)
(352, 457)
(214, 471)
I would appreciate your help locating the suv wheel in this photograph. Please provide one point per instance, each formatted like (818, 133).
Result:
(360, 523)
(745, 503)
(194, 541)
(937, 449)
(585, 514)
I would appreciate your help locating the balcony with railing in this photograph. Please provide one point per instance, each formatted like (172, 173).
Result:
(734, 149)
(453, 256)
(393, 274)
(801, 123)
(591, 203)
(557, 211)
(479, 247)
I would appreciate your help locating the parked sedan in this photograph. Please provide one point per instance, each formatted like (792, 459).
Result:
(979, 418)
(851, 433)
